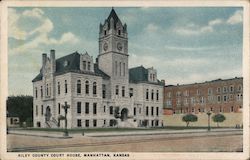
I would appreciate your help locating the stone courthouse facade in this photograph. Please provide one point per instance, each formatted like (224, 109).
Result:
(217, 96)
(104, 93)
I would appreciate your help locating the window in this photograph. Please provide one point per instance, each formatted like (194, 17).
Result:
(79, 107)
(47, 89)
(218, 98)
(105, 32)
(87, 123)
(186, 101)
(79, 123)
(225, 98)
(87, 87)
(94, 88)
(131, 92)
(120, 67)
(66, 87)
(211, 109)
(78, 86)
(152, 94)
(169, 103)
(104, 109)
(134, 111)
(123, 69)
(94, 122)
(193, 100)
(220, 109)
(103, 91)
(119, 32)
(42, 110)
(147, 94)
(186, 93)
(178, 94)
(231, 88)
(116, 68)
(58, 88)
(94, 108)
(157, 95)
(232, 109)
(88, 66)
(87, 108)
(198, 92)
(169, 94)
(36, 91)
(152, 111)
(210, 91)
(199, 110)
(218, 90)
(178, 102)
(239, 88)
(157, 111)
(59, 108)
(123, 91)
(153, 77)
(111, 110)
(116, 90)
(225, 89)
(41, 91)
(146, 111)
(202, 100)
(192, 110)
(36, 110)
(84, 65)
(104, 121)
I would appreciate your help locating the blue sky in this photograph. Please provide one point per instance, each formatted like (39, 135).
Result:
(185, 45)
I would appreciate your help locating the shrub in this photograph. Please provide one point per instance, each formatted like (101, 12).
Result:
(189, 118)
(218, 118)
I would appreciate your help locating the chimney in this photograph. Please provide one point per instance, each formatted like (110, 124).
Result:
(44, 58)
(52, 54)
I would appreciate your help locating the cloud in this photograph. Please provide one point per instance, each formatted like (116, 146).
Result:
(236, 18)
(151, 28)
(36, 36)
(13, 30)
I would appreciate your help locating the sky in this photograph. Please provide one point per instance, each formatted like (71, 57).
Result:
(185, 45)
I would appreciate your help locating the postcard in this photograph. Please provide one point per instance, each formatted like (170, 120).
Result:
(125, 80)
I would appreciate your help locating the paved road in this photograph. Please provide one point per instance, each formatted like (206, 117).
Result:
(205, 141)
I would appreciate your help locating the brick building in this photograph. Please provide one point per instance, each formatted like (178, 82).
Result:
(216, 96)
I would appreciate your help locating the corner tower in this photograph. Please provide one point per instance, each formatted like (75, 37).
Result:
(113, 49)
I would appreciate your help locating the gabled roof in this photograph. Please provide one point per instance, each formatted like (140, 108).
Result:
(71, 63)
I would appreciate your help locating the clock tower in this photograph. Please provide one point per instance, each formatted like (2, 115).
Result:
(113, 49)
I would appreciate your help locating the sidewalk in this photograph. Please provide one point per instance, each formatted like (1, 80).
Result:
(193, 132)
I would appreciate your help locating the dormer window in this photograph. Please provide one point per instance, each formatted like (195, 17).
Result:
(119, 32)
(89, 66)
(84, 65)
(105, 32)
(66, 63)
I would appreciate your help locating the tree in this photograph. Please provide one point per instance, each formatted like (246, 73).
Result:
(22, 107)
(189, 118)
(218, 118)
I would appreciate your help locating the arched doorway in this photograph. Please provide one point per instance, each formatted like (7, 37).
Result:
(47, 114)
(124, 114)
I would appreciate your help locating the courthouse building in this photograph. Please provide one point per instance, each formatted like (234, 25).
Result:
(104, 93)
(217, 96)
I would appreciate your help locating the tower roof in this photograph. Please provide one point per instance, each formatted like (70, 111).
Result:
(114, 16)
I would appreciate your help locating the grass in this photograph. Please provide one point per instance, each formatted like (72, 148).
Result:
(78, 130)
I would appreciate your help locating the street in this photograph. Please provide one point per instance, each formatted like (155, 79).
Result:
(186, 142)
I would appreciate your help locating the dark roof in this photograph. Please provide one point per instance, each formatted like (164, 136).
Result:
(73, 65)
(140, 75)
(115, 18)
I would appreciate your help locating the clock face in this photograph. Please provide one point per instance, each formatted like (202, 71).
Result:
(105, 46)
(119, 46)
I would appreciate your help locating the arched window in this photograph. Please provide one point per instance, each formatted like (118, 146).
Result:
(47, 89)
(78, 86)
(116, 90)
(87, 87)
(94, 88)
(41, 91)
(58, 88)
(119, 32)
(123, 91)
(120, 68)
(152, 94)
(157, 95)
(103, 91)
(36, 91)
(116, 65)
(66, 86)
(147, 94)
